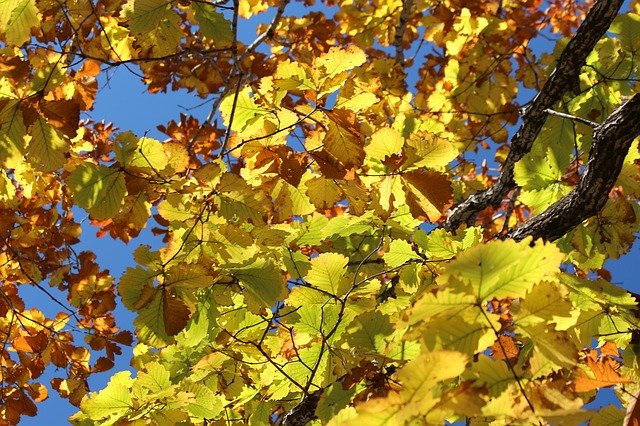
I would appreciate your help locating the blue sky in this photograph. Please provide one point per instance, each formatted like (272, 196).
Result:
(125, 102)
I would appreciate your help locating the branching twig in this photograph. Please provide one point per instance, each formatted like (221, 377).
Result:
(611, 142)
(566, 72)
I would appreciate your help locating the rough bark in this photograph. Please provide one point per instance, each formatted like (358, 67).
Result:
(566, 72)
(611, 143)
(304, 412)
(612, 140)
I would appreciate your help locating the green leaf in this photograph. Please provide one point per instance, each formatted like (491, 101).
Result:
(143, 16)
(155, 25)
(98, 189)
(399, 253)
(156, 378)
(328, 272)
(207, 404)
(213, 24)
(12, 133)
(627, 26)
(505, 268)
(111, 403)
(446, 301)
(334, 399)
(536, 172)
(263, 283)
(245, 112)
(150, 322)
(493, 373)
(144, 154)
(369, 332)
(319, 319)
(47, 147)
(468, 333)
(17, 17)
(608, 416)
(132, 284)
(177, 208)
(188, 276)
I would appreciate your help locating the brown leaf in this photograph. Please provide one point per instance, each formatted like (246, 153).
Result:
(38, 392)
(632, 416)
(428, 193)
(344, 141)
(63, 115)
(609, 349)
(176, 313)
(74, 389)
(103, 364)
(146, 296)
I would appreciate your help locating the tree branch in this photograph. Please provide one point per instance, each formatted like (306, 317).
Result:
(405, 14)
(304, 412)
(611, 143)
(566, 72)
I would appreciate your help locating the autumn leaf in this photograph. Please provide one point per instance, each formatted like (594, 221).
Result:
(597, 372)
(427, 193)
(98, 189)
(354, 219)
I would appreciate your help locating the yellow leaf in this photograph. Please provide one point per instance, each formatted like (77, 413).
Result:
(245, 110)
(116, 40)
(424, 149)
(17, 17)
(328, 272)
(293, 75)
(7, 190)
(323, 193)
(12, 133)
(384, 143)
(343, 140)
(505, 268)
(144, 154)
(421, 390)
(337, 60)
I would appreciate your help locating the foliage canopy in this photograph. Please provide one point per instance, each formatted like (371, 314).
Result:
(336, 247)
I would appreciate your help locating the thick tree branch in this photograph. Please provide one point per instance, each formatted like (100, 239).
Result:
(611, 142)
(304, 412)
(566, 72)
(405, 14)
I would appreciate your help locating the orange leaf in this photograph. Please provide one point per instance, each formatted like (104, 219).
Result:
(505, 348)
(604, 373)
(38, 392)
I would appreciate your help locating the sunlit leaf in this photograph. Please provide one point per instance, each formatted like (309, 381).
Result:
(98, 189)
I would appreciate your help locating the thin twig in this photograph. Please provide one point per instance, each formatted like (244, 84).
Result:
(572, 117)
